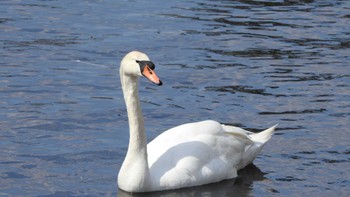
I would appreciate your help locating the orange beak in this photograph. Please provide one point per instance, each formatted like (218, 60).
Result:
(151, 75)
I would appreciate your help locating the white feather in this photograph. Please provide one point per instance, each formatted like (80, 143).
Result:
(187, 155)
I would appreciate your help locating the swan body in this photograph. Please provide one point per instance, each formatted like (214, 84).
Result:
(188, 155)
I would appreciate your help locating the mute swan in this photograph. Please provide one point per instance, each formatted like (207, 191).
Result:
(187, 155)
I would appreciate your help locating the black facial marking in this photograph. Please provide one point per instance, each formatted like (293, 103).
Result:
(144, 63)
(151, 65)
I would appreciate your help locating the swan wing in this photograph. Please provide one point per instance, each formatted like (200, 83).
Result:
(196, 154)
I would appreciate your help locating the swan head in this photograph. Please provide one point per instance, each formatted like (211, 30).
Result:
(138, 64)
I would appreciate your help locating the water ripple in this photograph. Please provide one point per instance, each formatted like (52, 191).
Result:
(249, 63)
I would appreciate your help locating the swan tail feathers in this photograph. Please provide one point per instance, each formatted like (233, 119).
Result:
(259, 140)
(263, 136)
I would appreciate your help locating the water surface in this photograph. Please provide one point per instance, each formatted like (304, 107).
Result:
(247, 63)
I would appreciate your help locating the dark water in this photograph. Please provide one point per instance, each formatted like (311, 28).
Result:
(63, 127)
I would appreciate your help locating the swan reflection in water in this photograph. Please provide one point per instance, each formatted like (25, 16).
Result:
(240, 186)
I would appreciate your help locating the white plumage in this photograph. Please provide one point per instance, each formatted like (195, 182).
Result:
(201, 152)
(187, 155)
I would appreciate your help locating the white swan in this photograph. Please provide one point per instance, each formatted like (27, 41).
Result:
(187, 155)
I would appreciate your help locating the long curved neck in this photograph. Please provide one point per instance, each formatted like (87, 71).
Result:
(134, 173)
(138, 141)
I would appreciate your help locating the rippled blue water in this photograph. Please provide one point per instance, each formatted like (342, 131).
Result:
(251, 63)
